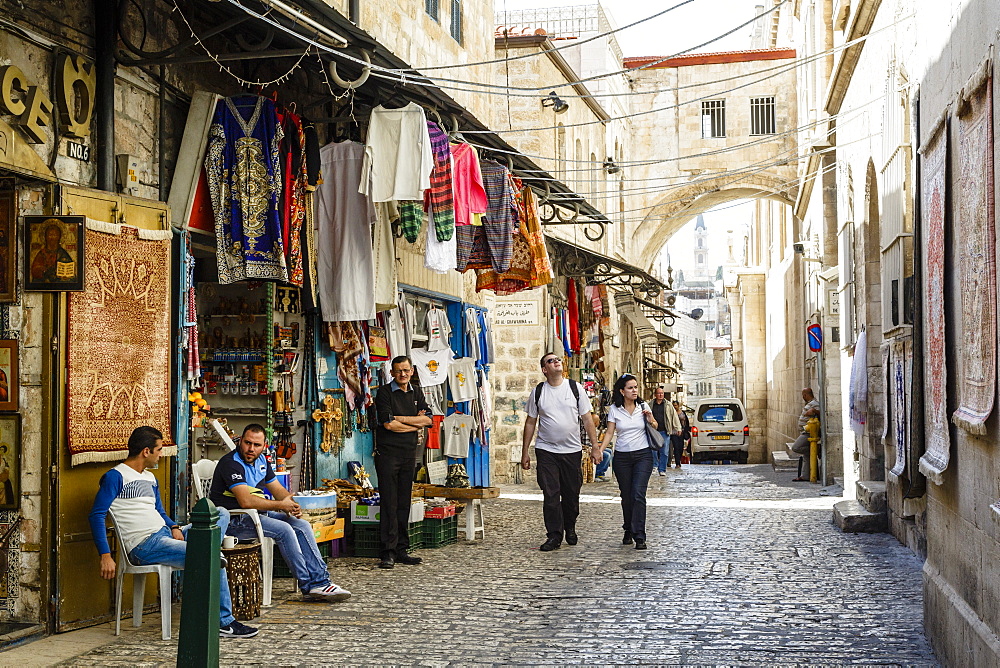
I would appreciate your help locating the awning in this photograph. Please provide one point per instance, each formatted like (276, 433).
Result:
(274, 29)
(626, 305)
(574, 261)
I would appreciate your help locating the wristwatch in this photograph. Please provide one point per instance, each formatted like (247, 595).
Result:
(176, 526)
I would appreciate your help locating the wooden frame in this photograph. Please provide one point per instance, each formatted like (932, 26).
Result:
(8, 246)
(9, 386)
(53, 253)
(10, 461)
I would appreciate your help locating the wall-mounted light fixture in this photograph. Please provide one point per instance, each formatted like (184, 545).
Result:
(557, 103)
(610, 167)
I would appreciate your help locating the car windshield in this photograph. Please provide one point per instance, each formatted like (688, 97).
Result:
(719, 413)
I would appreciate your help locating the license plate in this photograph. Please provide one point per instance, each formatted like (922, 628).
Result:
(721, 437)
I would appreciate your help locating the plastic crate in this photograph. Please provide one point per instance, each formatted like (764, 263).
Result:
(368, 543)
(281, 569)
(440, 532)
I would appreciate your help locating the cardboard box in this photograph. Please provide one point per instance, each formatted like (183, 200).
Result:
(439, 512)
(362, 514)
(331, 530)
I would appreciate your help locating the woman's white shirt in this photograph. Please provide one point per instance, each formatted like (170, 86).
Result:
(630, 429)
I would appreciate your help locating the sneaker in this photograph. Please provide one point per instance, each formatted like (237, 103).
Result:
(601, 478)
(331, 592)
(238, 630)
(662, 472)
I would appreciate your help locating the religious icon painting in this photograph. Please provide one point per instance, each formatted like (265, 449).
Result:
(10, 461)
(9, 388)
(8, 247)
(53, 253)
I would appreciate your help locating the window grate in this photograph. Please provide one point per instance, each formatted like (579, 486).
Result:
(762, 115)
(432, 9)
(713, 118)
(456, 20)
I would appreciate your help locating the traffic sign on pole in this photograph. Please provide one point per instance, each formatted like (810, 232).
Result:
(815, 335)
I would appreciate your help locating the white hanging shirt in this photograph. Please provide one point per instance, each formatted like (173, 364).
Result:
(398, 159)
(440, 256)
(432, 366)
(455, 434)
(438, 330)
(462, 379)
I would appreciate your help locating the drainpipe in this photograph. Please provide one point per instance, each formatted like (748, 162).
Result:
(106, 23)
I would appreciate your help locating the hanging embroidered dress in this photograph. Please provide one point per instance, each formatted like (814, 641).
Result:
(243, 167)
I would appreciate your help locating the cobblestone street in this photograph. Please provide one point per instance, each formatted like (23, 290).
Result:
(744, 568)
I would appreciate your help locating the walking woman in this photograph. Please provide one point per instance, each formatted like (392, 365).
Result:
(633, 460)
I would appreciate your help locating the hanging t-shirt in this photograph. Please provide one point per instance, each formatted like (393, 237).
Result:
(432, 366)
(399, 343)
(558, 414)
(455, 433)
(434, 433)
(440, 256)
(344, 237)
(462, 379)
(467, 181)
(398, 159)
(435, 396)
(438, 330)
(472, 333)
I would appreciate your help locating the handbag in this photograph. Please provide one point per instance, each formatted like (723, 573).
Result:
(654, 437)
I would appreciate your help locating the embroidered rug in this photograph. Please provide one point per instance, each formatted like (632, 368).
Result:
(900, 423)
(119, 342)
(933, 196)
(977, 260)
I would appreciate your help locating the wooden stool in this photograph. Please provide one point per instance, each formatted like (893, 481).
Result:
(245, 585)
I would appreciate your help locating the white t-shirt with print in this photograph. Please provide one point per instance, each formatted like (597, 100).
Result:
(558, 414)
(462, 379)
(630, 429)
(438, 330)
(432, 367)
(455, 433)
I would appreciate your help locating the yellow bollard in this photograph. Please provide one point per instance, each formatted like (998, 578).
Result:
(812, 429)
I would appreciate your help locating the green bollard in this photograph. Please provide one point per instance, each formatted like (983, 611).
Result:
(198, 644)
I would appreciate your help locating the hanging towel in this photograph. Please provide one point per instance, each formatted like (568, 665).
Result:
(858, 392)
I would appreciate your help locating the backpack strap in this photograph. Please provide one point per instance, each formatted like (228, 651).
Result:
(538, 393)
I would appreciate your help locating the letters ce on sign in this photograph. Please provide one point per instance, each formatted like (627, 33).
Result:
(75, 86)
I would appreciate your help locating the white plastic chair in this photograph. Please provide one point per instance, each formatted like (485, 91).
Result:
(201, 473)
(123, 567)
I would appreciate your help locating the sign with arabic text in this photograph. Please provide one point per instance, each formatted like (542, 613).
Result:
(516, 313)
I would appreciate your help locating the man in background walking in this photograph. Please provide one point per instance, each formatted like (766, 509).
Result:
(669, 426)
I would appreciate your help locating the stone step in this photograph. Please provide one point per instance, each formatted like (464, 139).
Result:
(781, 460)
(871, 494)
(851, 517)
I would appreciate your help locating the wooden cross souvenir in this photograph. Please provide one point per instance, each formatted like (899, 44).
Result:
(332, 424)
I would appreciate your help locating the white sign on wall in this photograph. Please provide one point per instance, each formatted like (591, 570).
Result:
(516, 313)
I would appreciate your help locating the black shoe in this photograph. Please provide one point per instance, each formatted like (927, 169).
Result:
(640, 545)
(388, 561)
(572, 538)
(627, 538)
(408, 560)
(237, 630)
(550, 544)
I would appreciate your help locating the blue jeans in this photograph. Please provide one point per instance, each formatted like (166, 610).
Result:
(661, 456)
(162, 548)
(602, 468)
(632, 470)
(296, 542)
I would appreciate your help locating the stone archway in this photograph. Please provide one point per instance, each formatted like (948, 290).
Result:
(681, 204)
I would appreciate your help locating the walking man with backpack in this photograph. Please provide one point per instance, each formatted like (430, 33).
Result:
(557, 407)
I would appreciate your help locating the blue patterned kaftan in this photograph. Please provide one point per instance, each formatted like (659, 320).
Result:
(244, 179)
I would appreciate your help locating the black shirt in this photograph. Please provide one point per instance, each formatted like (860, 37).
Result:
(390, 401)
(659, 415)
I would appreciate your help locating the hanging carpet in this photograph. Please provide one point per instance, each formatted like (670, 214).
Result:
(976, 239)
(119, 343)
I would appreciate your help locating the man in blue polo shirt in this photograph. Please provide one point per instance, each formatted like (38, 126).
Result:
(239, 480)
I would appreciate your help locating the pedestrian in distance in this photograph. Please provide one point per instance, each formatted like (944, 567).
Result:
(130, 492)
(557, 407)
(801, 444)
(601, 472)
(685, 428)
(669, 426)
(633, 462)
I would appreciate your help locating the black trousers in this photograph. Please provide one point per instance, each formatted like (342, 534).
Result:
(632, 471)
(395, 486)
(560, 477)
(677, 445)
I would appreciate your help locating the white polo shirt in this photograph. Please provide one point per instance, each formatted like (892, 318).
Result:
(630, 429)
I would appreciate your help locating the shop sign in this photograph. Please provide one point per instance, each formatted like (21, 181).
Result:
(78, 151)
(75, 86)
(516, 313)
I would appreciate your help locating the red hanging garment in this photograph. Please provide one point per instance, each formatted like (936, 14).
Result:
(574, 316)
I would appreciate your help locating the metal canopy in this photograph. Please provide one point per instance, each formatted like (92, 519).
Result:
(251, 39)
(577, 262)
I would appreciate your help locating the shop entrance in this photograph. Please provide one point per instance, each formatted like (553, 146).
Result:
(80, 597)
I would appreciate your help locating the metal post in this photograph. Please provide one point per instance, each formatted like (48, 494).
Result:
(199, 638)
(812, 429)
(106, 26)
(821, 371)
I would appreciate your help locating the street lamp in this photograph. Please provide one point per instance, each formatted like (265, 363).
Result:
(557, 103)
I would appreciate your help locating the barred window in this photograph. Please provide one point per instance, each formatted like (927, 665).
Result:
(456, 20)
(762, 115)
(713, 118)
(432, 8)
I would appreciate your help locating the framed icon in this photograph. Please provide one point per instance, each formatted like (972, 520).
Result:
(9, 387)
(10, 461)
(53, 253)
(8, 247)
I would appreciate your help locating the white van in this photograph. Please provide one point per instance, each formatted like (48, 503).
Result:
(719, 430)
